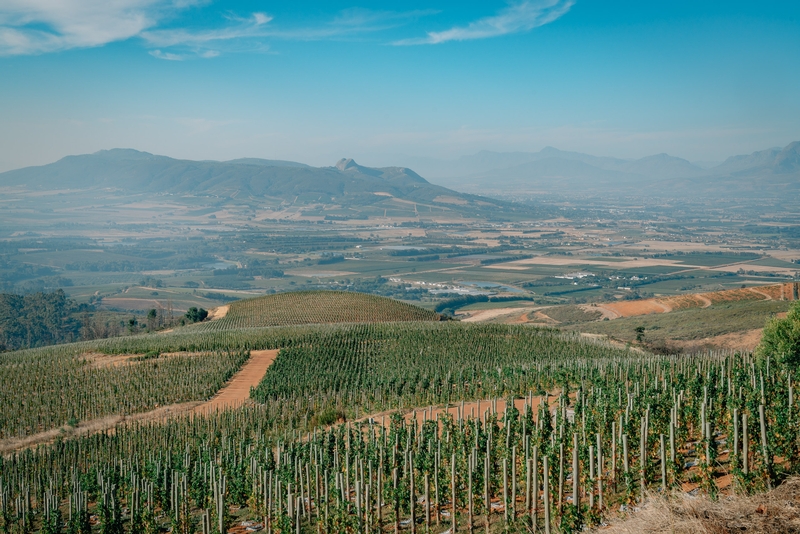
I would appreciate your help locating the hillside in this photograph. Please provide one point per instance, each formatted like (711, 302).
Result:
(691, 322)
(315, 307)
(347, 184)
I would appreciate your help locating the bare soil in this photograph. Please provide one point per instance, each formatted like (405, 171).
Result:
(102, 424)
(480, 316)
(237, 392)
(218, 313)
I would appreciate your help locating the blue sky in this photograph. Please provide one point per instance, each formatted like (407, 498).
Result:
(389, 82)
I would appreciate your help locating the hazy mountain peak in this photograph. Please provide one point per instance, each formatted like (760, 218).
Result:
(762, 158)
(788, 159)
(550, 150)
(347, 163)
(124, 153)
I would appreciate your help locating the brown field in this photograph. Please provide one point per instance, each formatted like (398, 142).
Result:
(631, 308)
(479, 316)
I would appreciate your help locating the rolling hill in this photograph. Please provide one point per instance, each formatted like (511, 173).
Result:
(315, 307)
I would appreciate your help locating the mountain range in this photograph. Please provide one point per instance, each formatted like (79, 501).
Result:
(768, 173)
(346, 184)
(771, 173)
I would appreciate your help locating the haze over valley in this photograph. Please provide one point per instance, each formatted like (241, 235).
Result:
(314, 267)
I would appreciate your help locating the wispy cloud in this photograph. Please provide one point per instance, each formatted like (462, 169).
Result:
(351, 23)
(206, 43)
(39, 26)
(516, 18)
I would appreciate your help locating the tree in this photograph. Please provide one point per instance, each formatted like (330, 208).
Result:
(195, 315)
(639, 333)
(152, 315)
(781, 338)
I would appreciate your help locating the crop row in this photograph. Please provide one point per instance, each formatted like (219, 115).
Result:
(48, 388)
(599, 428)
(316, 307)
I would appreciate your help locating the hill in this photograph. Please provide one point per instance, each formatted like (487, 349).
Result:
(347, 184)
(316, 307)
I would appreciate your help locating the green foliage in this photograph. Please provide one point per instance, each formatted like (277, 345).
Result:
(37, 319)
(781, 338)
(195, 315)
(46, 388)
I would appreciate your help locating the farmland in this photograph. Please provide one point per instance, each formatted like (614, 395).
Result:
(691, 322)
(341, 434)
(326, 442)
(311, 307)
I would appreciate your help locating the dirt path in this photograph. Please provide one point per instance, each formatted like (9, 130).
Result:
(237, 392)
(468, 409)
(218, 312)
(666, 307)
(705, 300)
(478, 316)
(757, 292)
(606, 313)
(102, 424)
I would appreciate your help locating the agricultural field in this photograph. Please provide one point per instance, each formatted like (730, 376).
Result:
(692, 322)
(314, 307)
(417, 426)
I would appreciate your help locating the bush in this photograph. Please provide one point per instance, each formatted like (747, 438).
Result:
(195, 315)
(329, 416)
(781, 338)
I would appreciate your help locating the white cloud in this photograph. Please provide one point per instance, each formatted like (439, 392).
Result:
(169, 56)
(186, 37)
(38, 26)
(515, 18)
(351, 23)
(261, 18)
(41, 26)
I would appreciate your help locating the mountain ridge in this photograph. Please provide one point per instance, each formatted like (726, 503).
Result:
(763, 173)
(346, 184)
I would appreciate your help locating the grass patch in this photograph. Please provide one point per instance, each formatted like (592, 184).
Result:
(691, 324)
(572, 314)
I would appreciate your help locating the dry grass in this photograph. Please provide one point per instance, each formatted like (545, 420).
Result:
(776, 512)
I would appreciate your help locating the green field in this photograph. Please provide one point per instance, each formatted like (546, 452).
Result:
(169, 474)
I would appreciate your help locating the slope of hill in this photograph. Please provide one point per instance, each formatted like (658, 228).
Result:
(133, 172)
(316, 307)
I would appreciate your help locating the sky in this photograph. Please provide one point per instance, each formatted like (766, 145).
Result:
(388, 82)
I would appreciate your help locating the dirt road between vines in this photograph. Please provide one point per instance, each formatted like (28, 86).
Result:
(237, 391)
(232, 395)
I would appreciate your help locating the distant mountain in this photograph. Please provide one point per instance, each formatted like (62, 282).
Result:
(766, 173)
(267, 162)
(346, 184)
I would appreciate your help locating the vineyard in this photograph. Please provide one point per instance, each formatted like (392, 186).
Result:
(328, 444)
(317, 307)
(47, 388)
